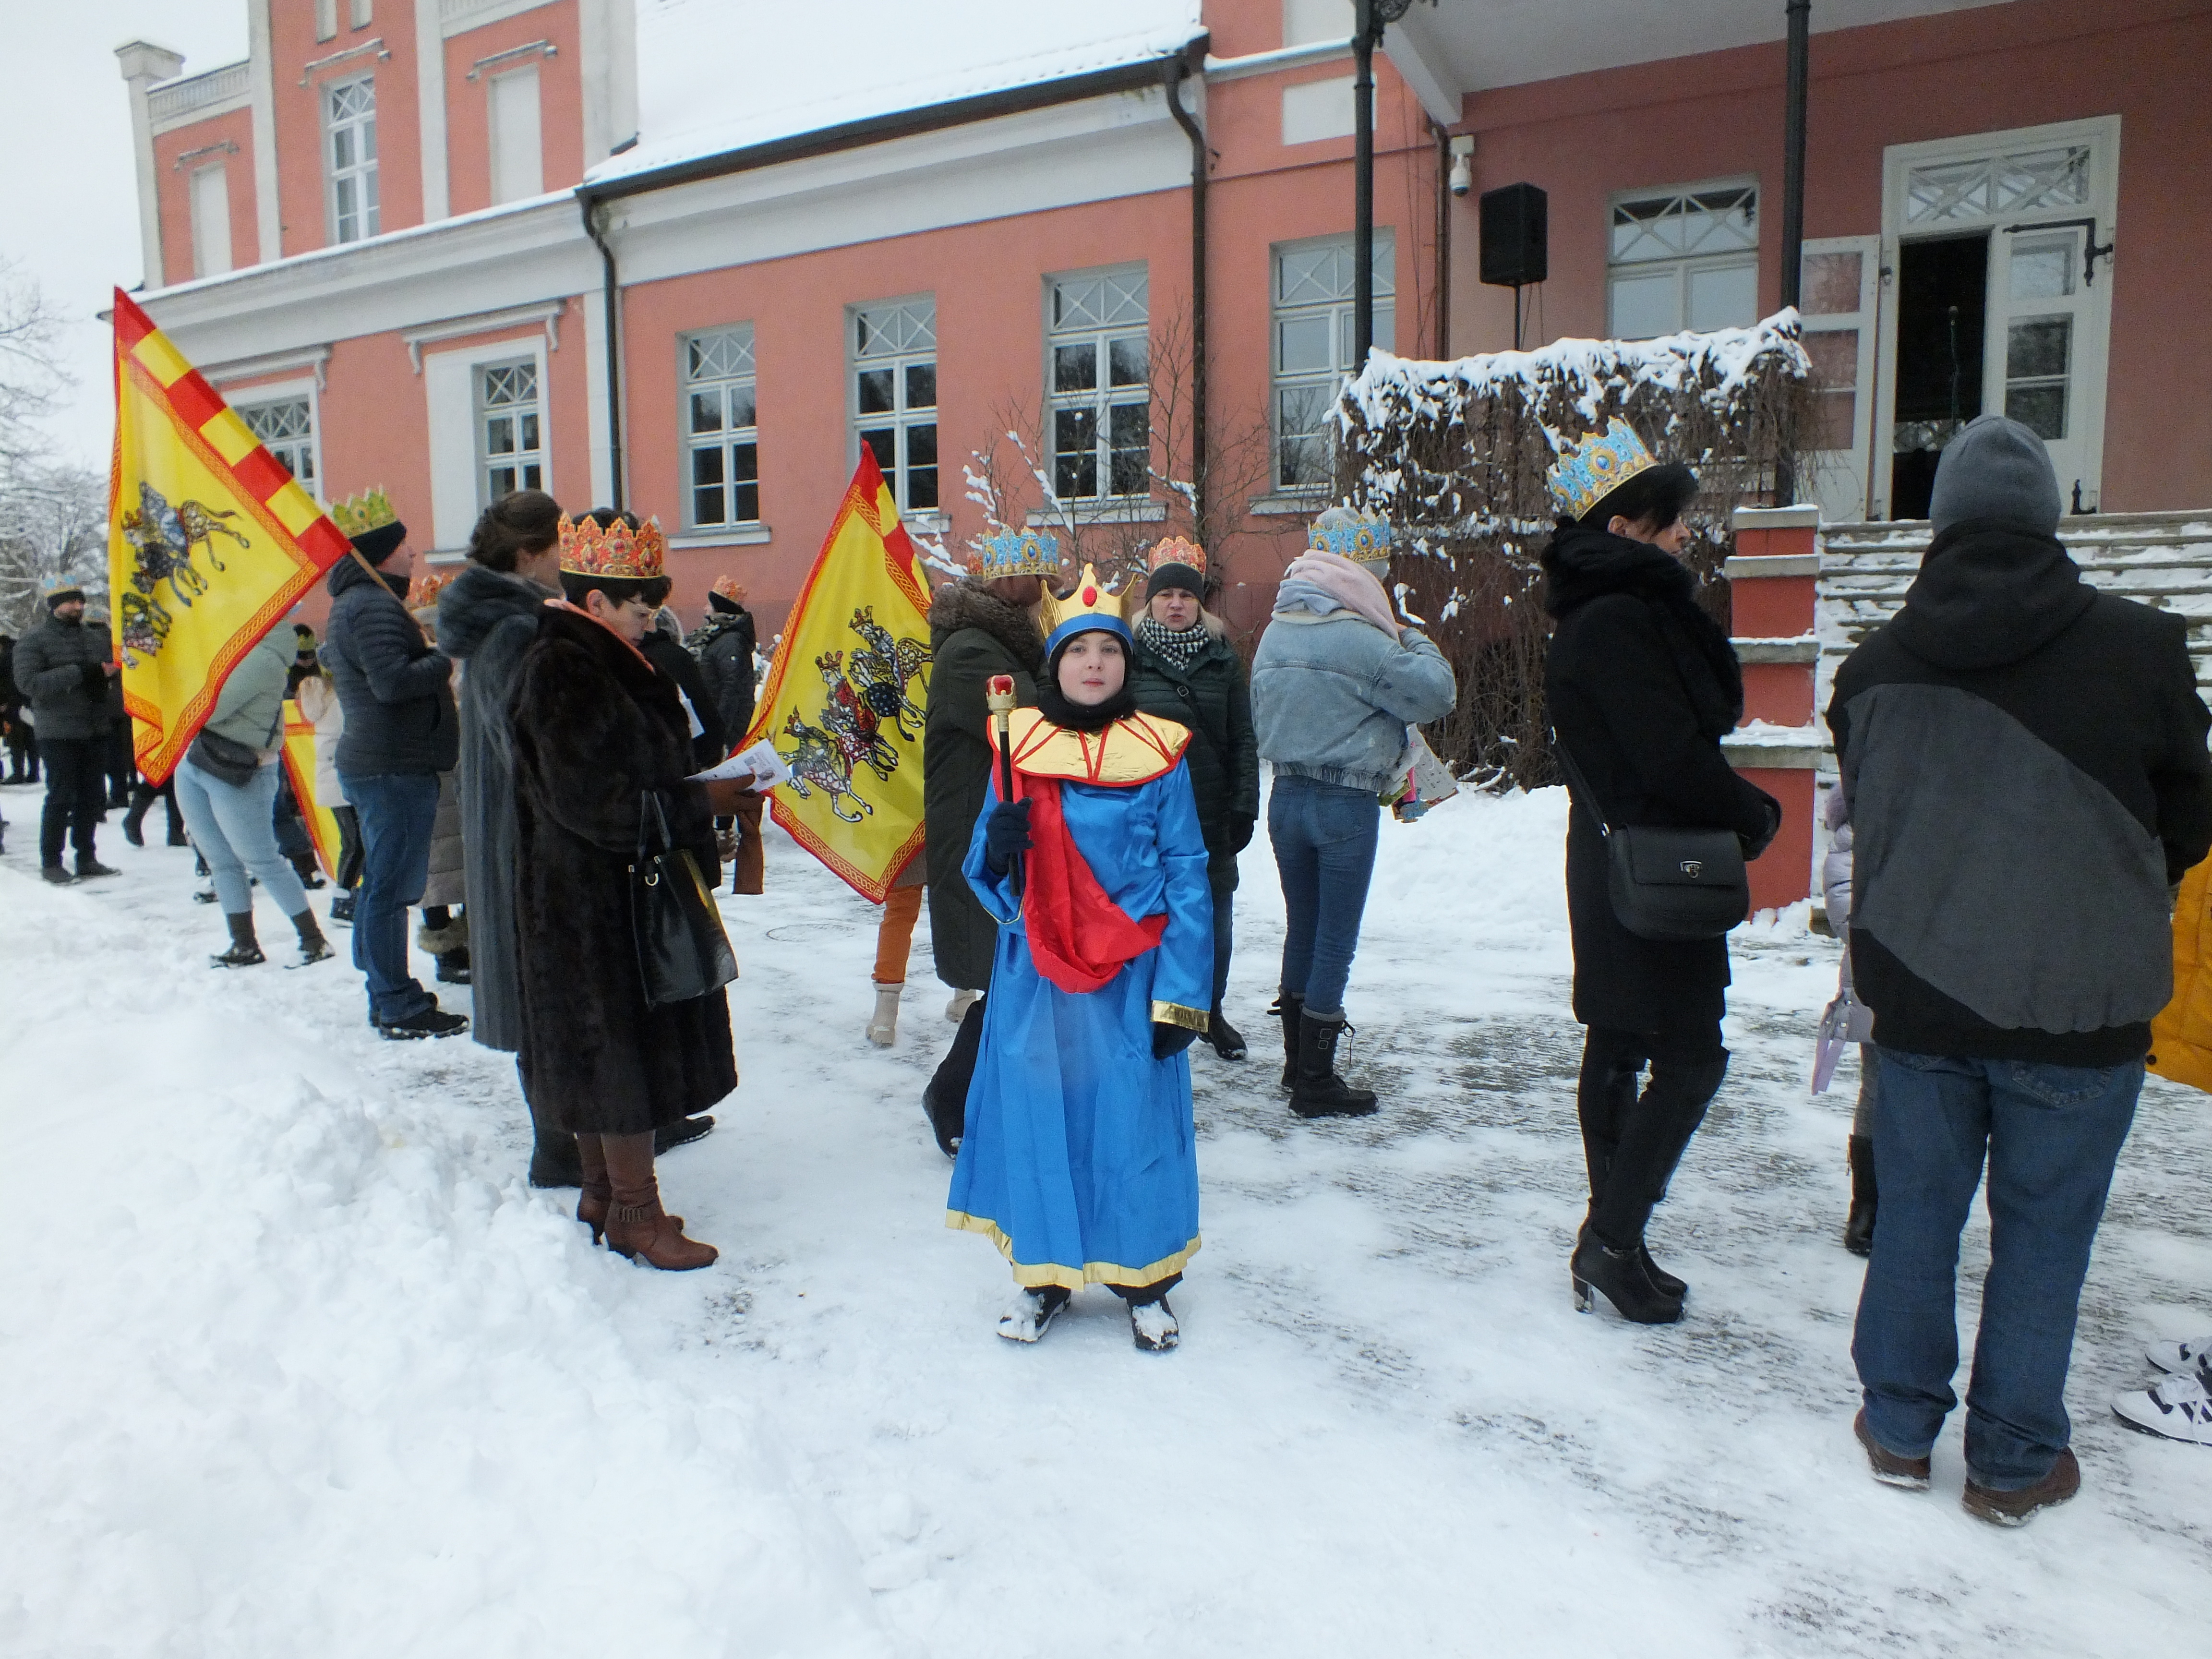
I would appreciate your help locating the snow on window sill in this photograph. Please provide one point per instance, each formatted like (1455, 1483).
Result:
(1302, 502)
(743, 534)
(1126, 509)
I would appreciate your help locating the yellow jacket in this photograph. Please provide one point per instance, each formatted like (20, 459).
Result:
(2181, 1036)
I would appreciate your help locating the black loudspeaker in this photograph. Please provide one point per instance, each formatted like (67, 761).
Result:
(1515, 222)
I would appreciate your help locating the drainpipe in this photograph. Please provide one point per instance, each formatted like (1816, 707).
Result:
(1443, 242)
(1174, 73)
(1367, 31)
(1793, 188)
(611, 297)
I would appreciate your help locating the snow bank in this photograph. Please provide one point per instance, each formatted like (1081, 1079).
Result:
(325, 1390)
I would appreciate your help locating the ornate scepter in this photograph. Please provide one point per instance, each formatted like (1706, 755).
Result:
(999, 698)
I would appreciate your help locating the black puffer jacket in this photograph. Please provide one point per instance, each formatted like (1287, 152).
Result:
(1213, 698)
(57, 668)
(666, 653)
(972, 636)
(724, 644)
(396, 689)
(1641, 686)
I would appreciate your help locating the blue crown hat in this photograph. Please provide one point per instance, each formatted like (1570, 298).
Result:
(1586, 474)
(1363, 537)
(1015, 553)
(1088, 609)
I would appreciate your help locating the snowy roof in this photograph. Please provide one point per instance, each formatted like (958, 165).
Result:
(721, 75)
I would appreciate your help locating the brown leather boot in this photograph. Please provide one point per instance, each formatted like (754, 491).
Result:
(637, 1224)
(597, 1196)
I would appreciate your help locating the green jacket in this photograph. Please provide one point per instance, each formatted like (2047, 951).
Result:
(1213, 697)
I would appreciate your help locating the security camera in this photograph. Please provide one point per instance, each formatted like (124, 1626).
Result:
(1462, 168)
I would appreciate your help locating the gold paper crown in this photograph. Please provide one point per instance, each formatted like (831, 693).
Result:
(1586, 474)
(359, 515)
(424, 592)
(1177, 550)
(588, 550)
(729, 588)
(1088, 605)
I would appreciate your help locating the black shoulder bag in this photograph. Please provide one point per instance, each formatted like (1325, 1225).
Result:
(1666, 884)
(682, 951)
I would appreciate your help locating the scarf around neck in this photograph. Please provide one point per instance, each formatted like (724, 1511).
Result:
(1322, 583)
(1177, 646)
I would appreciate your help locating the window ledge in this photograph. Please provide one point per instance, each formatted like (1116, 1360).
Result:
(930, 524)
(1300, 502)
(743, 534)
(1111, 510)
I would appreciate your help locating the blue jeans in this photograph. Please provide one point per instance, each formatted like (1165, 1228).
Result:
(1324, 841)
(234, 829)
(2051, 1134)
(396, 811)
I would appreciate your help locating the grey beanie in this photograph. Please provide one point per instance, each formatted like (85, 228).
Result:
(1994, 468)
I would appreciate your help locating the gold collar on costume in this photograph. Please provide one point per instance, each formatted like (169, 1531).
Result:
(1133, 750)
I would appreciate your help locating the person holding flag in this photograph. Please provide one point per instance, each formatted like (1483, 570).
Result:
(1079, 1159)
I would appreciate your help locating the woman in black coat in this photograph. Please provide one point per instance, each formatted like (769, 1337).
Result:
(596, 728)
(1641, 685)
(1182, 669)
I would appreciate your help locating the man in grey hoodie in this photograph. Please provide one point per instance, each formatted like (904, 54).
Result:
(2026, 764)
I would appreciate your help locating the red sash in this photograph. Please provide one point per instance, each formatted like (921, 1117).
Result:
(1078, 938)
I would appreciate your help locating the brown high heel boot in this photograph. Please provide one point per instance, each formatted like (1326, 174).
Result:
(637, 1224)
(597, 1196)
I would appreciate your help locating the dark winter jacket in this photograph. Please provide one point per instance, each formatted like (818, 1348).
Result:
(488, 619)
(395, 686)
(724, 645)
(972, 636)
(595, 727)
(2024, 759)
(666, 653)
(1641, 686)
(58, 671)
(1213, 698)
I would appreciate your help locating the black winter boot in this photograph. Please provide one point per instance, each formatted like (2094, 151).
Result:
(1228, 1041)
(245, 950)
(134, 820)
(555, 1161)
(1318, 1091)
(1288, 1008)
(1858, 1226)
(314, 947)
(1597, 1266)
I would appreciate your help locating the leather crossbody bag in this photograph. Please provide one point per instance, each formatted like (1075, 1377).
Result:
(1666, 884)
(682, 951)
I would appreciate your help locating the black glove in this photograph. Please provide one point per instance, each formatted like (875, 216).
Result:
(1754, 845)
(95, 680)
(1169, 1040)
(1240, 833)
(1007, 835)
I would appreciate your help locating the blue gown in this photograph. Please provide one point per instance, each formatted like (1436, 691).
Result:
(1079, 1159)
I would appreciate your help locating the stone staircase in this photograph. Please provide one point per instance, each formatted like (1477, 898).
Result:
(2163, 559)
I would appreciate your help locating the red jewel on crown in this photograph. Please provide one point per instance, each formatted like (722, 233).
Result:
(1089, 597)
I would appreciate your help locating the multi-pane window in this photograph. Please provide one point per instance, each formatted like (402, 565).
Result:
(2039, 350)
(720, 426)
(895, 395)
(1315, 329)
(350, 117)
(510, 435)
(287, 430)
(1100, 402)
(1684, 259)
(210, 203)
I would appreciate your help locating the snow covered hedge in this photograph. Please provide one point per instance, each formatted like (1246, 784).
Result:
(1455, 455)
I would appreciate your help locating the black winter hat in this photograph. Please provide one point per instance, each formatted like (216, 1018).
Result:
(1994, 468)
(380, 544)
(1173, 575)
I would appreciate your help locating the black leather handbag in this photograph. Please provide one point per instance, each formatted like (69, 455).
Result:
(682, 951)
(1668, 883)
(226, 759)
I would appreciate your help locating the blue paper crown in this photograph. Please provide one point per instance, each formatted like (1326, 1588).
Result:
(1017, 553)
(1598, 465)
(1355, 535)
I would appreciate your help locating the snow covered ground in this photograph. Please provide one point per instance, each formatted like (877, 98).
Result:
(295, 1365)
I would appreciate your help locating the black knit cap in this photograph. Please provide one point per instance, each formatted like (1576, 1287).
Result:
(380, 544)
(1173, 575)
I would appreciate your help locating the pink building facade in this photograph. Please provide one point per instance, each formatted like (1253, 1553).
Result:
(454, 246)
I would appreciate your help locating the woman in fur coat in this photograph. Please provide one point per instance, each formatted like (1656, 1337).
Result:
(596, 728)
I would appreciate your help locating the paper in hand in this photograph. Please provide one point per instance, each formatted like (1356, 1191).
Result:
(761, 763)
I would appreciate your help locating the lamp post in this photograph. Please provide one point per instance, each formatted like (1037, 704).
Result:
(1797, 67)
(1371, 16)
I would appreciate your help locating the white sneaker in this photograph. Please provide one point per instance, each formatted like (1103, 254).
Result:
(2178, 1407)
(1153, 1325)
(2178, 1356)
(1031, 1312)
(882, 1029)
(957, 1010)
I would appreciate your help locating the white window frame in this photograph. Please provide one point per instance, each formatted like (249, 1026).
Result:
(211, 243)
(1125, 317)
(361, 13)
(1840, 475)
(727, 435)
(1333, 301)
(912, 345)
(361, 171)
(1685, 265)
(450, 400)
(250, 399)
(520, 460)
(517, 176)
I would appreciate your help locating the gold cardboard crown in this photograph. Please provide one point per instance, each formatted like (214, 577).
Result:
(1177, 550)
(1088, 604)
(359, 515)
(588, 550)
(729, 588)
(1596, 466)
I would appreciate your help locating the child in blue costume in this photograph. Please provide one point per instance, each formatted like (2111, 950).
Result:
(1080, 1160)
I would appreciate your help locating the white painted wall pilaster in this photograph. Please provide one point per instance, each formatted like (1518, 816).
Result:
(593, 45)
(622, 71)
(596, 432)
(142, 64)
(268, 210)
(430, 98)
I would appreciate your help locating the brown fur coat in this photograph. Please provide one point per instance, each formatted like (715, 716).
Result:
(595, 727)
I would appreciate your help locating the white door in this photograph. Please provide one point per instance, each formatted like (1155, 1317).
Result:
(2046, 199)
(1837, 290)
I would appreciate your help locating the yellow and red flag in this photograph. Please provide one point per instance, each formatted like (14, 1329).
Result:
(300, 767)
(210, 540)
(845, 698)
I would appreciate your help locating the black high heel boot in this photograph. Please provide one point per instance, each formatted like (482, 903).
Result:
(1597, 1266)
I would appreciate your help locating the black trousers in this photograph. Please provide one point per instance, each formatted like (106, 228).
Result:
(945, 1098)
(1632, 1136)
(22, 754)
(77, 794)
(348, 873)
(122, 765)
